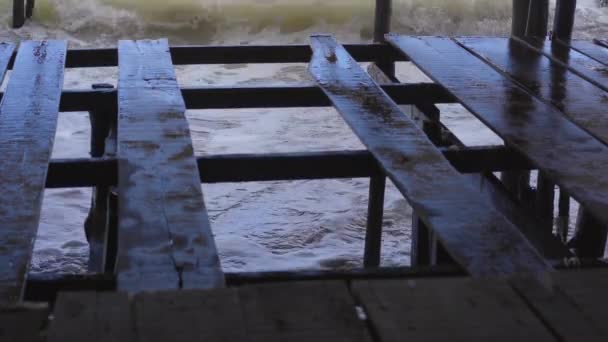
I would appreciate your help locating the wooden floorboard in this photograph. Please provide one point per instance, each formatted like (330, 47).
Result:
(567, 154)
(28, 119)
(448, 310)
(23, 324)
(471, 231)
(165, 239)
(584, 66)
(6, 52)
(591, 49)
(581, 101)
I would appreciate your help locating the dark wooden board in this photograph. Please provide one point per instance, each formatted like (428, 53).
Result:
(584, 66)
(6, 53)
(448, 310)
(23, 324)
(582, 102)
(91, 316)
(165, 239)
(28, 119)
(568, 155)
(593, 50)
(601, 42)
(472, 231)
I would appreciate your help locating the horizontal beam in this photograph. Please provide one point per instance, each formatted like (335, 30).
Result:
(240, 54)
(68, 173)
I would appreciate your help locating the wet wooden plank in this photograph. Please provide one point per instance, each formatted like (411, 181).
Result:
(568, 155)
(588, 68)
(306, 311)
(6, 52)
(582, 102)
(462, 309)
(471, 230)
(91, 316)
(567, 318)
(165, 239)
(23, 324)
(591, 49)
(601, 42)
(28, 119)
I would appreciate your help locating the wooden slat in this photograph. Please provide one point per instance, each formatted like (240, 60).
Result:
(593, 50)
(601, 42)
(6, 52)
(307, 311)
(588, 68)
(448, 310)
(472, 231)
(567, 318)
(569, 156)
(28, 119)
(91, 316)
(23, 324)
(581, 101)
(165, 239)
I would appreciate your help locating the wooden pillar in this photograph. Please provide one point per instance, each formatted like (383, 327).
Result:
(29, 8)
(545, 195)
(564, 19)
(382, 26)
(589, 240)
(420, 254)
(563, 218)
(375, 212)
(18, 13)
(530, 18)
(520, 17)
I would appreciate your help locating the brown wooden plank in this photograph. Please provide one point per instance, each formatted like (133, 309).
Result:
(22, 324)
(472, 231)
(568, 155)
(6, 52)
(165, 239)
(588, 68)
(448, 310)
(591, 49)
(582, 102)
(28, 119)
(561, 315)
(306, 311)
(91, 316)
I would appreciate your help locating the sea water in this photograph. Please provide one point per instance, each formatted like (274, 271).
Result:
(258, 225)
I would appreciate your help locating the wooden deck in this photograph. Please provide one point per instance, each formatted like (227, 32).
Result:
(163, 280)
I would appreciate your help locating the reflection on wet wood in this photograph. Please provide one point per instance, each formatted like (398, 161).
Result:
(28, 119)
(568, 155)
(593, 50)
(472, 231)
(165, 239)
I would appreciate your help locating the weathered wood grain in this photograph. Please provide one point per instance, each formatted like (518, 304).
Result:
(91, 316)
(28, 119)
(23, 324)
(582, 102)
(476, 236)
(591, 49)
(462, 309)
(568, 155)
(588, 68)
(6, 52)
(165, 239)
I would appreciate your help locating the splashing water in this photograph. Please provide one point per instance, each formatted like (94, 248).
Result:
(267, 225)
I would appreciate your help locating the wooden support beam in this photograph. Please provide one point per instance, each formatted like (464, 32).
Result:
(577, 159)
(165, 239)
(29, 8)
(18, 13)
(375, 211)
(28, 120)
(419, 170)
(563, 22)
(520, 17)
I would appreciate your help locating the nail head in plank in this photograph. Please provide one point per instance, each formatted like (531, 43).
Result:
(165, 239)
(569, 156)
(476, 236)
(91, 316)
(582, 102)
(28, 119)
(462, 309)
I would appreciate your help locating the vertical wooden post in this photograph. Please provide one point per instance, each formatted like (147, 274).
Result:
(420, 254)
(563, 221)
(589, 240)
(545, 195)
(29, 8)
(520, 17)
(538, 18)
(382, 26)
(564, 19)
(375, 212)
(18, 13)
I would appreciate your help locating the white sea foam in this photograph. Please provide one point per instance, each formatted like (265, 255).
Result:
(266, 225)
